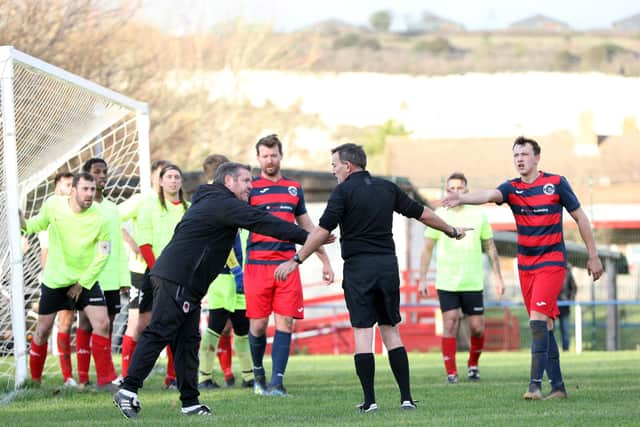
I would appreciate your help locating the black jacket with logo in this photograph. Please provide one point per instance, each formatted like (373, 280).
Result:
(203, 238)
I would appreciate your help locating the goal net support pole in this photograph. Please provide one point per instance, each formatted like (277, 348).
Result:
(13, 217)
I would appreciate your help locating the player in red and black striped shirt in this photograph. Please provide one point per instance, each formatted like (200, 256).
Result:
(537, 200)
(283, 198)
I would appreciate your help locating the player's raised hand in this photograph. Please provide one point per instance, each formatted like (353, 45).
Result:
(451, 199)
(459, 232)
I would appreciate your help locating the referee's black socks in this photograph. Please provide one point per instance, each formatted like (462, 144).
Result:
(366, 369)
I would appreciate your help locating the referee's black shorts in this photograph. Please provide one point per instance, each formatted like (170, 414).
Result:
(371, 286)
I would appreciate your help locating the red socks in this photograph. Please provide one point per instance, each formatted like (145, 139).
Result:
(83, 354)
(449, 355)
(101, 348)
(37, 357)
(224, 355)
(171, 370)
(475, 350)
(128, 347)
(64, 348)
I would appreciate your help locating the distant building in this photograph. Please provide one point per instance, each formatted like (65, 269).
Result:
(540, 23)
(430, 23)
(630, 24)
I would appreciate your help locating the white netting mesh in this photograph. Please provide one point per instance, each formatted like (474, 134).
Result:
(59, 125)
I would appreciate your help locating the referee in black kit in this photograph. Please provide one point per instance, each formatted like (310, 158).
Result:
(363, 206)
(181, 276)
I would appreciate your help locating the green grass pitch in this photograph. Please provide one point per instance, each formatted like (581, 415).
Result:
(604, 390)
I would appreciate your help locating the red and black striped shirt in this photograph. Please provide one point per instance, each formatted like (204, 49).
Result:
(284, 199)
(537, 209)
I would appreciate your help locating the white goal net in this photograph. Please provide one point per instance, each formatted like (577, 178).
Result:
(52, 121)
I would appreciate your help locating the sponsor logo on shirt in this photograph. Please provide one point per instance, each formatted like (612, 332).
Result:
(549, 189)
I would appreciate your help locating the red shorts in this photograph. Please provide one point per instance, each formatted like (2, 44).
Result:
(540, 289)
(265, 294)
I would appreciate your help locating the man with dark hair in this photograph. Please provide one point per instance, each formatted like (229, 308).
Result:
(227, 310)
(284, 198)
(79, 246)
(537, 200)
(114, 279)
(363, 207)
(460, 277)
(193, 258)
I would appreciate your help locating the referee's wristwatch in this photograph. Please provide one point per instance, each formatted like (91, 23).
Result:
(297, 259)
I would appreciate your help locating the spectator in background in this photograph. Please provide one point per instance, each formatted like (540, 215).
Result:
(567, 293)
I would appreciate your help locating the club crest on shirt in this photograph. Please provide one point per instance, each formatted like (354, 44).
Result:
(293, 190)
(549, 189)
(186, 306)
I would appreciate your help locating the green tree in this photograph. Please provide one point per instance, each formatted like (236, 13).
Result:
(381, 21)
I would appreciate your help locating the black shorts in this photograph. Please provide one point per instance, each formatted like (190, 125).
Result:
(53, 300)
(471, 302)
(114, 303)
(145, 296)
(371, 285)
(218, 319)
(137, 280)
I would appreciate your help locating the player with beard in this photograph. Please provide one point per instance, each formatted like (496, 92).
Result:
(283, 198)
(79, 246)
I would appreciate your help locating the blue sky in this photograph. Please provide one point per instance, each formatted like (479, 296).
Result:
(474, 14)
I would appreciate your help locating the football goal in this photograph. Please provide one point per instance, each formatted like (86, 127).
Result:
(52, 121)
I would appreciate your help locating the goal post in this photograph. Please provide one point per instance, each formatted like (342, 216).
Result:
(51, 121)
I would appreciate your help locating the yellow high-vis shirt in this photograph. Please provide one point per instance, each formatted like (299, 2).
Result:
(115, 273)
(79, 243)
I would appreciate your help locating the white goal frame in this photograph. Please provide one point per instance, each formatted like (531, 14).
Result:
(16, 188)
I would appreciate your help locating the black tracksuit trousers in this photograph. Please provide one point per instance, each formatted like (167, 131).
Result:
(174, 321)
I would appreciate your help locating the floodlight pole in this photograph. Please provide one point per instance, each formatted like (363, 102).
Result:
(13, 217)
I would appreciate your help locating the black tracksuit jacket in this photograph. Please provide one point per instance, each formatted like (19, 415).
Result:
(203, 238)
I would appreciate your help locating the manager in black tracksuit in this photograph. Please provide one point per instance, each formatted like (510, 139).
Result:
(191, 261)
